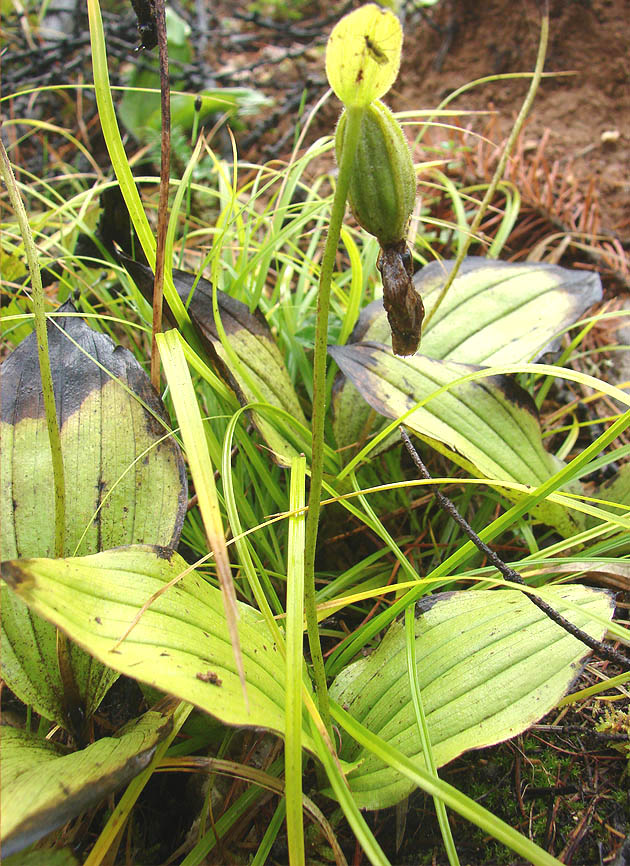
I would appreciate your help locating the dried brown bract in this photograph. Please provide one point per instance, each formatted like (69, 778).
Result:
(404, 307)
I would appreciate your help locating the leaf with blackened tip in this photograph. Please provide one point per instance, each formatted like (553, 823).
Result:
(260, 374)
(13, 574)
(182, 631)
(125, 480)
(43, 787)
(494, 313)
(491, 422)
(502, 312)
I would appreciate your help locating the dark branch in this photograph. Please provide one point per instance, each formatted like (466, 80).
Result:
(508, 573)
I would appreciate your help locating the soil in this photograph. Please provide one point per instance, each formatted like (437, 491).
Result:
(586, 115)
(571, 162)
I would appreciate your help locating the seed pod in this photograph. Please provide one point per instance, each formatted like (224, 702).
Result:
(383, 183)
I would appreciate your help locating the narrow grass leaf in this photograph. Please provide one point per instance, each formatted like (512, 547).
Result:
(259, 373)
(425, 737)
(116, 150)
(344, 795)
(295, 665)
(196, 447)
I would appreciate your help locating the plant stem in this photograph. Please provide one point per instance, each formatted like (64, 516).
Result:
(516, 129)
(353, 129)
(165, 153)
(41, 333)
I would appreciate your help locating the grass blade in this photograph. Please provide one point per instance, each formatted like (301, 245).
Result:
(193, 436)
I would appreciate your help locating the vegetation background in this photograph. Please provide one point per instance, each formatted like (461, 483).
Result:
(564, 783)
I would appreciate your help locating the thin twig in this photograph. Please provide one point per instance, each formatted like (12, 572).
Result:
(509, 573)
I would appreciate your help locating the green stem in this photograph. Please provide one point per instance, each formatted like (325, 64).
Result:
(353, 129)
(516, 129)
(39, 313)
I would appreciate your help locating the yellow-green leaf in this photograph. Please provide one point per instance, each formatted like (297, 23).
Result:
(489, 665)
(491, 422)
(125, 481)
(43, 787)
(180, 643)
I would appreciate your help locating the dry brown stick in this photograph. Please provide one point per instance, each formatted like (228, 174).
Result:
(165, 165)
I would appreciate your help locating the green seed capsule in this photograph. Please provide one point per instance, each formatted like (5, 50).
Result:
(383, 183)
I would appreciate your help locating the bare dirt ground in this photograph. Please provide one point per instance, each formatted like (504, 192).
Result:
(572, 160)
(587, 115)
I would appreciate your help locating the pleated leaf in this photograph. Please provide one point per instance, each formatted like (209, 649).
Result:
(44, 786)
(491, 422)
(489, 663)
(494, 313)
(125, 483)
(180, 644)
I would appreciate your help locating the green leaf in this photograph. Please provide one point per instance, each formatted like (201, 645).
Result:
(502, 312)
(616, 489)
(180, 643)
(261, 374)
(43, 787)
(125, 481)
(489, 664)
(494, 313)
(363, 55)
(140, 110)
(43, 857)
(492, 422)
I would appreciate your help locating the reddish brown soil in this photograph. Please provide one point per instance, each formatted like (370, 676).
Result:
(591, 39)
(571, 163)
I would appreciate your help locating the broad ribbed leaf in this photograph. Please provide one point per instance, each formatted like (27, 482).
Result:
(260, 374)
(490, 422)
(489, 664)
(502, 312)
(180, 644)
(125, 483)
(43, 786)
(494, 313)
